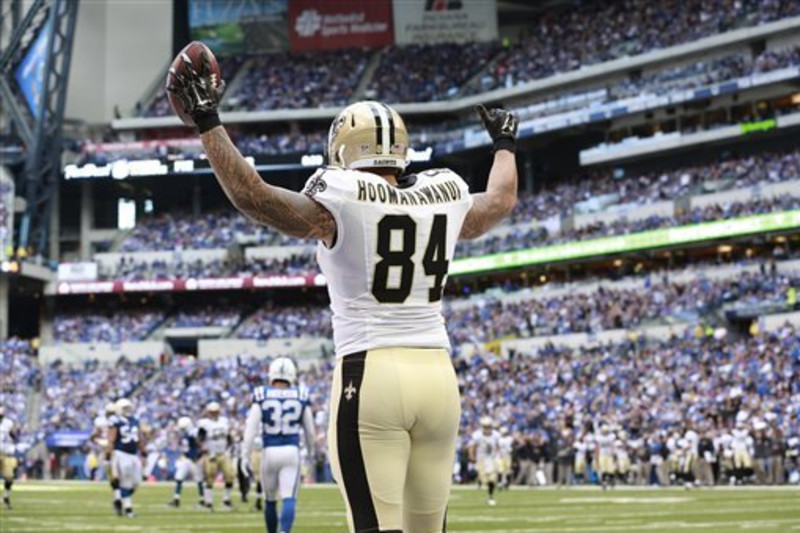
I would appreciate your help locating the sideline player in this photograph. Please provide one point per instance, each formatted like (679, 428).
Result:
(125, 444)
(8, 447)
(278, 412)
(385, 243)
(605, 456)
(506, 450)
(100, 438)
(215, 437)
(187, 465)
(485, 453)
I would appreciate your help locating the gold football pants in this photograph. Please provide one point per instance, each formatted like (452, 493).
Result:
(392, 437)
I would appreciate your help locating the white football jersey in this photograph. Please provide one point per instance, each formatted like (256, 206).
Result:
(101, 430)
(394, 246)
(7, 445)
(741, 441)
(216, 434)
(487, 447)
(605, 443)
(506, 445)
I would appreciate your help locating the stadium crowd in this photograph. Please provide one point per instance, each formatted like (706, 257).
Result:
(19, 374)
(112, 326)
(589, 192)
(559, 42)
(651, 394)
(530, 313)
(299, 80)
(545, 46)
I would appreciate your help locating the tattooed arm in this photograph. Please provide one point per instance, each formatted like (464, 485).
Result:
(492, 206)
(288, 212)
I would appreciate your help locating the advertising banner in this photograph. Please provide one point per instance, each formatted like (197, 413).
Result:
(444, 21)
(30, 72)
(191, 284)
(326, 25)
(645, 240)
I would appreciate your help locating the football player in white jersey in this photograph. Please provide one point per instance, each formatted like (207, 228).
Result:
(100, 438)
(278, 413)
(385, 244)
(742, 444)
(8, 447)
(215, 437)
(605, 457)
(485, 453)
(506, 449)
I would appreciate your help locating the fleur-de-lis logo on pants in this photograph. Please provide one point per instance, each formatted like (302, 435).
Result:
(349, 391)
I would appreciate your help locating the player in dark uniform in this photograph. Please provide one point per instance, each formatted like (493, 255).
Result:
(125, 444)
(188, 465)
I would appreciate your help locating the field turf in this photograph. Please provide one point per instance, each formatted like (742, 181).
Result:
(77, 506)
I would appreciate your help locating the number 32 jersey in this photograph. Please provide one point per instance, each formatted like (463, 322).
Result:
(393, 250)
(282, 413)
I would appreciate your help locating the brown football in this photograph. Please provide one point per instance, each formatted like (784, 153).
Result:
(192, 51)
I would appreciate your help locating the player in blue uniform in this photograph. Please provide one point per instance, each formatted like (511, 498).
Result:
(188, 464)
(125, 444)
(278, 412)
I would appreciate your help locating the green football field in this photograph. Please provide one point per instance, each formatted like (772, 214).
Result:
(76, 506)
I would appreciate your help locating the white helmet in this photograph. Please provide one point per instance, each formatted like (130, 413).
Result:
(368, 134)
(213, 407)
(486, 422)
(110, 409)
(283, 369)
(124, 407)
(184, 423)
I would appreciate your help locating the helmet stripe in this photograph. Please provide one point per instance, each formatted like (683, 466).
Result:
(376, 114)
(384, 122)
(391, 125)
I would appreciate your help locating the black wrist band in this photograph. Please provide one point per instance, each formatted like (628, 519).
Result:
(206, 121)
(504, 143)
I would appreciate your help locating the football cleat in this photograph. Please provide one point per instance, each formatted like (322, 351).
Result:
(491, 502)
(174, 503)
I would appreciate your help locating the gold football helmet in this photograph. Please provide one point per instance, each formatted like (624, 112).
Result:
(368, 134)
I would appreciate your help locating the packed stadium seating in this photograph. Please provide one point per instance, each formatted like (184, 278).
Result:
(273, 321)
(19, 374)
(545, 47)
(610, 196)
(300, 80)
(645, 387)
(404, 76)
(560, 42)
(111, 326)
(75, 393)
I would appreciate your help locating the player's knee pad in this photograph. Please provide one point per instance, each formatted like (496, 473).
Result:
(8, 483)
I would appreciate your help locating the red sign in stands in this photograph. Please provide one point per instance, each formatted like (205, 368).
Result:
(327, 25)
(191, 284)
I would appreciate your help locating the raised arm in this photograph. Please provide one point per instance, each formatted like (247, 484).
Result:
(289, 212)
(490, 207)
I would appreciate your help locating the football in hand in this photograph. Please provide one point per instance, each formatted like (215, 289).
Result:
(191, 54)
